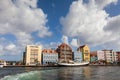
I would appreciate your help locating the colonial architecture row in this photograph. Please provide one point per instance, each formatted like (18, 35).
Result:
(34, 55)
(105, 57)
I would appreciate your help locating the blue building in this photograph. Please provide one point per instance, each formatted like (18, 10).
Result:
(49, 57)
(93, 57)
(77, 56)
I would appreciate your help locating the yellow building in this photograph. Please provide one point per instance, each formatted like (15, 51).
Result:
(85, 52)
(32, 55)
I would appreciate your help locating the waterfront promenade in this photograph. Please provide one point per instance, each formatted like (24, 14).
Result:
(59, 66)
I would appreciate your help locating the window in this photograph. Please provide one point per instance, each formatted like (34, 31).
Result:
(86, 54)
(86, 50)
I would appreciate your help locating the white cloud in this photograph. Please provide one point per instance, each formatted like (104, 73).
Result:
(51, 45)
(21, 18)
(65, 39)
(113, 24)
(74, 43)
(103, 3)
(88, 21)
(10, 47)
(1, 50)
(18, 16)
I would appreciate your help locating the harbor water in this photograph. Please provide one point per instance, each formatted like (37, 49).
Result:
(61, 73)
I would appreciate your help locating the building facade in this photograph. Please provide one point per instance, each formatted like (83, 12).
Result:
(115, 57)
(85, 52)
(93, 56)
(49, 56)
(118, 53)
(101, 55)
(110, 56)
(77, 56)
(64, 53)
(32, 55)
(24, 58)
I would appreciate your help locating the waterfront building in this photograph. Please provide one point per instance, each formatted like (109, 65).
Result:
(115, 57)
(11, 62)
(77, 56)
(64, 52)
(32, 55)
(24, 58)
(49, 56)
(118, 53)
(101, 55)
(93, 57)
(85, 52)
(110, 56)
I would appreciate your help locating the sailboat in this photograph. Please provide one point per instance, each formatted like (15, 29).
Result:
(1, 65)
(72, 64)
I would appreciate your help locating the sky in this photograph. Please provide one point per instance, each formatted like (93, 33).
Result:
(49, 23)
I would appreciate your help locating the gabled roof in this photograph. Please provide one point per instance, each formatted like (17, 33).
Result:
(80, 47)
(64, 44)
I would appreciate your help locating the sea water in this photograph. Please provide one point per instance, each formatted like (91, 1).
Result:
(62, 73)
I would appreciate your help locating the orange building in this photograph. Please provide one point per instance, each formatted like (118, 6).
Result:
(65, 52)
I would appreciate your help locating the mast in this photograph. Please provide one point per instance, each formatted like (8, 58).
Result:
(78, 42)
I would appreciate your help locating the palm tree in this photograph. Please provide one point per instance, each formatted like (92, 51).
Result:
(36, 62)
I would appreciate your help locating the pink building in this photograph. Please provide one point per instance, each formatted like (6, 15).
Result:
(118, 53)
(101, 55)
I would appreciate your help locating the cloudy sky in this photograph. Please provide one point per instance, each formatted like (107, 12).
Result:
(50, 22)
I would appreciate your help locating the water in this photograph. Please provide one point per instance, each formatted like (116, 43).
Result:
(62, 73)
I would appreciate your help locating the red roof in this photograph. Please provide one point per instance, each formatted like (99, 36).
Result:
(64, 45)
(48, 51)
(93, 53)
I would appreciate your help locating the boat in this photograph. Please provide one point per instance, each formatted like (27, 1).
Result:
(1, 65)
(72, 64)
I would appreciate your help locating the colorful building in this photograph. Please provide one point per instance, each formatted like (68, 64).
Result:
(110, 56)
(93, 56)
(78, 56)
(32, 55)
(64, 52)
(115, 57)
(85, 52)
(101, 55)
(49, 56)
(118, 53)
